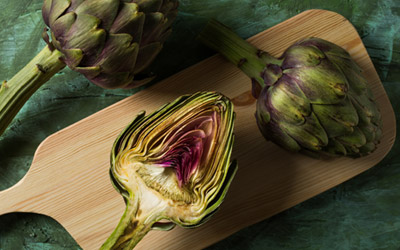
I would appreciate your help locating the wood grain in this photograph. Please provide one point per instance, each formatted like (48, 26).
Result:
(69, 181)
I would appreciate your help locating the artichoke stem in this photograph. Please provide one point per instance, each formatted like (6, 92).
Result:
(15, 92)
(242, 54)
(132, 227)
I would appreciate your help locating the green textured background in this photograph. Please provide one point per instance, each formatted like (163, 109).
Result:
(363, 213)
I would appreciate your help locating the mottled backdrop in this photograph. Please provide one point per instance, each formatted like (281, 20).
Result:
(363, 213)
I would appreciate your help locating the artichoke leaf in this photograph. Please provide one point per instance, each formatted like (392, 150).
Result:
(105, 10)
(287, 102)
(337, 119)
(302, 56)
(310, 135)
(321, 85)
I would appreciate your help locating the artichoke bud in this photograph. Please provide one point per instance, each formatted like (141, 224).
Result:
(314, 98)
(110, 41)
(174, 165)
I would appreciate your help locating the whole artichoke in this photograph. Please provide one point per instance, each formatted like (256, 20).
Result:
(174, 165)
(313, 99)
(111, 42)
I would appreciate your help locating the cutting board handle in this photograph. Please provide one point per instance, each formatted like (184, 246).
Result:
(12, 198)
(22, 196)
(32, 192)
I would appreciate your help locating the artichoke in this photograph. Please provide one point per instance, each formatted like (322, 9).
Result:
(173, 165)
(111, 42)
(313, 99)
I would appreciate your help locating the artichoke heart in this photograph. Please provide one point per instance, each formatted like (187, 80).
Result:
(174, 165)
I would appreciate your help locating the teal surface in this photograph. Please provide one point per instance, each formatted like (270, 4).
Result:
(363, 213)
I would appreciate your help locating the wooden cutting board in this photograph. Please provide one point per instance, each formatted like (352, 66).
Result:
(69, 178)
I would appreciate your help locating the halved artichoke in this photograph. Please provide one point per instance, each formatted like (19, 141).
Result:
(174, 165)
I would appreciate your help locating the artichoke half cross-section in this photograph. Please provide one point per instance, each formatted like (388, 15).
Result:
(173, 165)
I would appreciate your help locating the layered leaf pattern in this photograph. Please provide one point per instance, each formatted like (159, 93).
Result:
(110, 41)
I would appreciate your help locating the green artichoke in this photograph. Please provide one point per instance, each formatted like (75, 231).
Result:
(111, 42)
(313, 99)
(174, 165)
